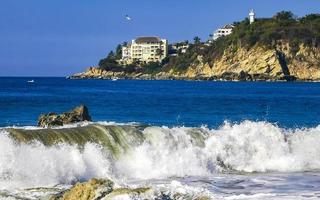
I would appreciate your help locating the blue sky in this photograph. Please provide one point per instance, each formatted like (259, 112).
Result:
(61, 37)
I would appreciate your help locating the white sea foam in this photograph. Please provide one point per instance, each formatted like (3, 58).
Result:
(23, 165)
(166, 152)
(73, 125)
(261, 147)
(248, 147)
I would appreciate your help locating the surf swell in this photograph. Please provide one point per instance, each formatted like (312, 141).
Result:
(55, 156)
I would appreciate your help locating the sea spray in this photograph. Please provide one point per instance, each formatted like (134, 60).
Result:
(31, 165)
(27, 158)
(166, 152)
(262, 147)
(249, 147)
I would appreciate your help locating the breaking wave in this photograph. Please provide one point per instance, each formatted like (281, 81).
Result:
(31, 157)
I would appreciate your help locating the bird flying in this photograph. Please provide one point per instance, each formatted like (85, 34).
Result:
(128, 18)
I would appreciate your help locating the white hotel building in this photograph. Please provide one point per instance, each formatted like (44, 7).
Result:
(145, 49)
(224, 31)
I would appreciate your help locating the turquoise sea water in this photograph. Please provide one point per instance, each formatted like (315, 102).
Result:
(189, 103)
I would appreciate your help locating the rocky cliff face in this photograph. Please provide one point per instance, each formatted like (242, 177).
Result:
(261, 63)
(304, 64)
(284, 62)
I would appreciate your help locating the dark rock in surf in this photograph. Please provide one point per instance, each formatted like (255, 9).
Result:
(79, 114)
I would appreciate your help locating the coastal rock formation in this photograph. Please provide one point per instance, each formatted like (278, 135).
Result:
(96, 73)
(105, 189)
(92, 189)
(284, 62)
(78, 114)
(280, 63)
(262, 63)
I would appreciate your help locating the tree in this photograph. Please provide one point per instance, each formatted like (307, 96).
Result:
(118, 54)
(151, 67)
(111, 55)
(159, 52)
(196, 40)
(109, 62)
(284, 16)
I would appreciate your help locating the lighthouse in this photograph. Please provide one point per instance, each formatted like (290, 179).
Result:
(252, 16)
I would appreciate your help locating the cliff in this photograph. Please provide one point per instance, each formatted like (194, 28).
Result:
(281, 48)
(257, 63)
(262, 63)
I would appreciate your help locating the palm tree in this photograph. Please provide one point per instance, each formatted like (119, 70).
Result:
(196, 40)
(160, 51)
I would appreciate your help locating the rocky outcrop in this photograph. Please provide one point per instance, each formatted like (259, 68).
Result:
(101, 189)
(303, 61)
(258, 63)
(79, 114)
(96, 73)
(283, 62)
(104, 189)
(86, 191)
(262, 63)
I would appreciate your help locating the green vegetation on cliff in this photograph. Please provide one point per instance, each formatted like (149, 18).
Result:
(268, 33)
(284, 26)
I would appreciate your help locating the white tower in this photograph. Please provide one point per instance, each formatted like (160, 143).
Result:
(252, 16)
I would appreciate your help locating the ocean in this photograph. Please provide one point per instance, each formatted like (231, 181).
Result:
(171, 103)
(225, 140)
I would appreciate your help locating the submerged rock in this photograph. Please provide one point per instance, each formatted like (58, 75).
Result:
(86, 191)
(96, 189)
(105, 189)
(79, 114)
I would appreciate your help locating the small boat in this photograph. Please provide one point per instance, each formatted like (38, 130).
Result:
(114, 79)
(30, 81)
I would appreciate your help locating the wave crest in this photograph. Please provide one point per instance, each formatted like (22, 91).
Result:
(261, 146)
(158, 152)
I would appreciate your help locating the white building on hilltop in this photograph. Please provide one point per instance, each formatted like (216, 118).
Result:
(252, 16)
(179, 48)
(145, 49)
(224, 31)
(227, 29)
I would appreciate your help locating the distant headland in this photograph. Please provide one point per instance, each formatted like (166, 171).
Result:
(281, 48)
